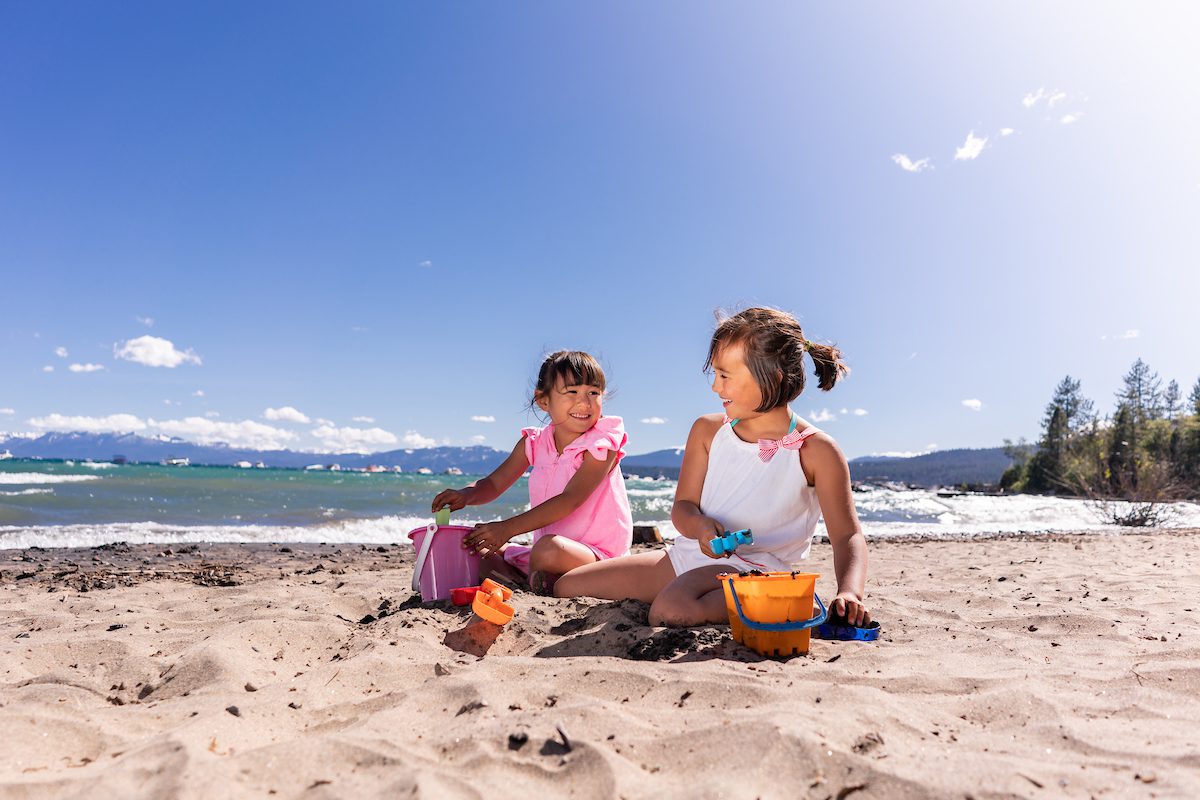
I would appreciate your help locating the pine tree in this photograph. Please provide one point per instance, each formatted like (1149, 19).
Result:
(1122, 452)
(1194, 398)
(1142, 393)
(1068, 413)
(1046, 467)
(1172, 401)
(1078, 410)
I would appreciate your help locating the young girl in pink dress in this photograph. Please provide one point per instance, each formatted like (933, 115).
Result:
(579, 512)
(757, 466)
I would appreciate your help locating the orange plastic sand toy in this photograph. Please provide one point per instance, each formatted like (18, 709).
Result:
(489, 602)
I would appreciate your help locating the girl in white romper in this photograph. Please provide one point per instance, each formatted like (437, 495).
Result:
(758, 466)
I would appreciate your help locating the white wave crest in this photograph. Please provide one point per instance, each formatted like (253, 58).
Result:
(383, 530)
(27, 491)
(30, 478)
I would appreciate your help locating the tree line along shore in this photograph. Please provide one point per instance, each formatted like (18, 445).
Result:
(1137, 459)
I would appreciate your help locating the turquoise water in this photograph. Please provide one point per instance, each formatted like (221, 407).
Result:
(64, 504)
(73, 503)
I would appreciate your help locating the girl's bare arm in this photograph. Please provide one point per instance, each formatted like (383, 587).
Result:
(485, 490)
(686, 515)
(831, 474)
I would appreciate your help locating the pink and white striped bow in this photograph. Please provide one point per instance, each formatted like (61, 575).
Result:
(793, 441)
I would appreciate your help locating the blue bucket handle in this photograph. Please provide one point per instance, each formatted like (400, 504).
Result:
(798, 625)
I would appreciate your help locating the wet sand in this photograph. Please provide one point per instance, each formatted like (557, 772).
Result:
(1023, 666)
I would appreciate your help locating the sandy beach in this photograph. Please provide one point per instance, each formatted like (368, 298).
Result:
(1024, 666)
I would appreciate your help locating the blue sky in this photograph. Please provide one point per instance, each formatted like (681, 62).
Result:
(359, 226)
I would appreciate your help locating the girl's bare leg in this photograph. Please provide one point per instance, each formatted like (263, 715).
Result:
(558, 554)
(694, 598)
(494, 566)
(637, 577)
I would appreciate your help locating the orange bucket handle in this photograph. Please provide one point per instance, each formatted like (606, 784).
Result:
(798, 625)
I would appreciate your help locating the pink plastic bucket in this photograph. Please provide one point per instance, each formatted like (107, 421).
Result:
(442, 564)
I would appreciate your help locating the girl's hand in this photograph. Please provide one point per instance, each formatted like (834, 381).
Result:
(487, 538)
(848, 605)
(708, 529)
(455, 498)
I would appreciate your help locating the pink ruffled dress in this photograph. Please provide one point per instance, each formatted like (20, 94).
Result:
(604, 522)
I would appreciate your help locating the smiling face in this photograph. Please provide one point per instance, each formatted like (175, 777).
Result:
(734, 383)
(572, 407)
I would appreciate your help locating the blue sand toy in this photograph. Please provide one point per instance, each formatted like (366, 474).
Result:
(731, 541)
(838, 627)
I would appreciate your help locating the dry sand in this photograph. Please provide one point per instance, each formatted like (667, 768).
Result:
(1053, 666)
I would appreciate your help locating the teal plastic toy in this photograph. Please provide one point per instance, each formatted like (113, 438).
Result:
(731, 541)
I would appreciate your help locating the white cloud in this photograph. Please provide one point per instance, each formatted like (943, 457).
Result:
(212, 414)
(154, 352)
(147, 321)
(899, 453)
(171, 402)
(61, 352)
(1007, 131)
(1056, 98)
(425, 264)
(86, 367)
(286, 414)
(323, 421)
(654, 421)
(1069, 118)
(365, 420)
(908, 165)
(1032, 98)
(971, 148)
(973, 404)
(860, 412)
(1132, 333)
(198, 393)
(416, 441)
(931, 446)
(47, 368)
(479, 438)
(113, 423)
(483, 418)
(824, 415)
(246, 433)
(361, 440)
(7, 411)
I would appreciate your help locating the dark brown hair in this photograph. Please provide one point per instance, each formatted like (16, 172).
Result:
(775, 346)
(575, 367)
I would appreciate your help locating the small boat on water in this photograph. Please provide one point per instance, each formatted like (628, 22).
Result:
(314, 467)
(424, 471)
(453, 471)
(243, 465)
(120, 460)
(172, 461)
(5, 456)
(375, 468)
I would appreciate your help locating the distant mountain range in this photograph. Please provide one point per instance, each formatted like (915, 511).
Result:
(106, 446)
(942, 468)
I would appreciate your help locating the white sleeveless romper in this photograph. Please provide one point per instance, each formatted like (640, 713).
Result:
(772, 499)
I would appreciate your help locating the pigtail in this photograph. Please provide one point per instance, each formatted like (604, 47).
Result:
(830, 367)
(774, 351)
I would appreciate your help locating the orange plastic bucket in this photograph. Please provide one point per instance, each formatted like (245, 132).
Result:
(772, 613)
